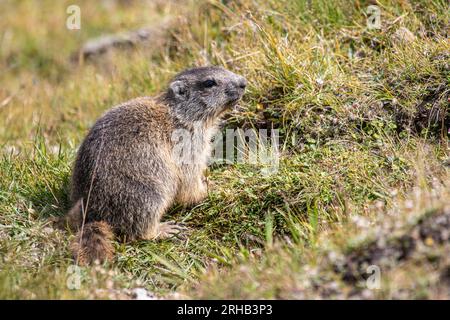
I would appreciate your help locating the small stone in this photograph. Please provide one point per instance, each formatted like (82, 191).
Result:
(142, 294)
(429, 241)
(403, 35)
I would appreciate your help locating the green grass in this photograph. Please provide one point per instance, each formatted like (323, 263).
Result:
(363, 120)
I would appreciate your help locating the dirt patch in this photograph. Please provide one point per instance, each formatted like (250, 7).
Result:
(388, 251)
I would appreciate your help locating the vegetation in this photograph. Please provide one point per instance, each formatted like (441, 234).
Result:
(363, 177)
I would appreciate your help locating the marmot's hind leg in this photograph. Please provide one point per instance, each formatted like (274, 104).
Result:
(72, 220)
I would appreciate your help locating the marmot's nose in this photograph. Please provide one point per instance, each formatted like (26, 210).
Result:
(242, 83)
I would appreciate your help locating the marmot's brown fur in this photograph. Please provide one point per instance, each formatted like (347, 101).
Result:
(128, 170)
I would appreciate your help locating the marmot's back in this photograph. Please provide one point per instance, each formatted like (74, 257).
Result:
(123, 165)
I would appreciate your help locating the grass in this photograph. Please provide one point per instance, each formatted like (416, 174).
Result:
(363, 119)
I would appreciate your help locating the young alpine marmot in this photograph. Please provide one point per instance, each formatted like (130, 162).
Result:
(143, 156)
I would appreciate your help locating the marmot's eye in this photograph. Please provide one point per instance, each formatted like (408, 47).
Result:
(209, 83)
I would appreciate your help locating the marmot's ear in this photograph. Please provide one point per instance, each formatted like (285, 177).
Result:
(178, 89)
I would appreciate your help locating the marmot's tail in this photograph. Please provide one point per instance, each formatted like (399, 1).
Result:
(93, 243)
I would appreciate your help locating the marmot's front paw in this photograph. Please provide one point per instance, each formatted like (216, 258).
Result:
(206, 184)
(170, 229)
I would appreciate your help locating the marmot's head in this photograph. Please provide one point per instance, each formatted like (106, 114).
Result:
(204, 93)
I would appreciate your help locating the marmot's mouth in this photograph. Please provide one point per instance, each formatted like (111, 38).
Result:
(232, 103)
(229, 106)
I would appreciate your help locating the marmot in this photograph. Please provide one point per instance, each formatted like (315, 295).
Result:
(127, 173)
